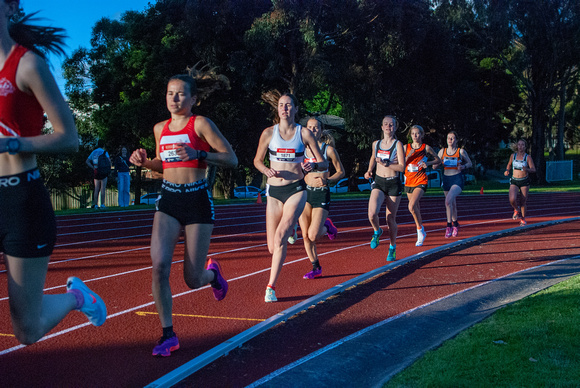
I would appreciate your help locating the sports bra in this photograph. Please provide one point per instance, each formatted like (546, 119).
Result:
(169, 140)
(20, 113)
(390, 154)
(451, 162)
(520, 164)
(313, 159)
(287, 151)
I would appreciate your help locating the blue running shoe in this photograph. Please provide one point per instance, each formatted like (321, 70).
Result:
(93, 306)
(392, 254)
(375, 239)
(270, 295)
(166, 346)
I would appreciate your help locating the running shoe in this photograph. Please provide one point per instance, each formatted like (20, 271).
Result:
(103, 207)
(166, 346)
(516, 215)
(315, 273)
(421, 234)
(93, 306)
(392, 254)
(292, 239)
(375, 240)
(218, 293)
(270, 295)
(455, 231)
(332, 231)
(523, 222)
(447, 232)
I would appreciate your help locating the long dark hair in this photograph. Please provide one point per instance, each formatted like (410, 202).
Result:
(39, 39)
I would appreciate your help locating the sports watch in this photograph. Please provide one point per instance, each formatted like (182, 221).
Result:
(13, 146)
(201, 155)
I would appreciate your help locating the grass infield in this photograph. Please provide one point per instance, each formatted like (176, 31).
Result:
(533, 342)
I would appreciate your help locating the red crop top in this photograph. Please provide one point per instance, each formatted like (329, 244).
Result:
(169, 141)
(20, 113)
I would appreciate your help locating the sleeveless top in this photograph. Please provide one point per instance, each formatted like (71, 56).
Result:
(288, 151)
(390, 154)
(415, 175)
(169, 140)
(451, 162)
(520, 164)
(20, 113)
(313, 159)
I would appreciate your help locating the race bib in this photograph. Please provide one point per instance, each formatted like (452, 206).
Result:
(169, 145)
(384, 155)
(450, 162)
(412, 168)
(286, 154)
(519, 164)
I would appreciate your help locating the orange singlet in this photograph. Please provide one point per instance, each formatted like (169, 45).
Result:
(414, 174)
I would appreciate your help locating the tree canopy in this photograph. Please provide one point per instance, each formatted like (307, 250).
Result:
(481, 68)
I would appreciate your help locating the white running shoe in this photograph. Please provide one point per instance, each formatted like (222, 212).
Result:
(292, 239)
(421, 234)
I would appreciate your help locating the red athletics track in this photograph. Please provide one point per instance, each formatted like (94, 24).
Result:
(110, 252)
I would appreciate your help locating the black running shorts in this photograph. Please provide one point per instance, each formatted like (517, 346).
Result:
(27, 221)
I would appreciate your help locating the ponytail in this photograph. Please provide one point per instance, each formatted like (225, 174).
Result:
(39, 39)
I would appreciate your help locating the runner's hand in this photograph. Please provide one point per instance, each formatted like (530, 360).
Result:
(138, 157)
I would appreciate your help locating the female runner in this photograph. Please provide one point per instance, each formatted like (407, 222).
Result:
(285, 143)
(455, 160)
(183, 145)
(27, 221)
(417, 160)
(389, 159)
(314, 221)
(521, 165)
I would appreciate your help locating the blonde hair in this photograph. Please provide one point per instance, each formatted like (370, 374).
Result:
(514, 146)
(420, 128)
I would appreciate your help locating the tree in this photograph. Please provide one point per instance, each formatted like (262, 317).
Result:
(534, 40)
(119, 83)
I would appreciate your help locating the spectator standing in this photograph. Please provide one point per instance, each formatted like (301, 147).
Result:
(123, 177)
(98, 164)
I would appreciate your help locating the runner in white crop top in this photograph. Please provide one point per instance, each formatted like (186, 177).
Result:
(288, 151)
(285, 143)
(520, 165)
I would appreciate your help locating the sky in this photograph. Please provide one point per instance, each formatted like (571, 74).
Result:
(77, 17)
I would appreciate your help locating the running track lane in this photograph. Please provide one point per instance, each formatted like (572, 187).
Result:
(110, 251)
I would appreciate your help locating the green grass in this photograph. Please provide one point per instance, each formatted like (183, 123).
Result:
(489, 187)
(534, 342)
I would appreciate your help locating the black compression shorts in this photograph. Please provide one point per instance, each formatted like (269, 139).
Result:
(27, 221)
(188, 203)
(318, 197)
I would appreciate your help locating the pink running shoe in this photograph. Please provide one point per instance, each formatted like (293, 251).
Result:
(523, 222)
(447, 232)
(516, 215)
(455, 231)
(218, 293)
(332, 231)
(166, 346)
(315, 273)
